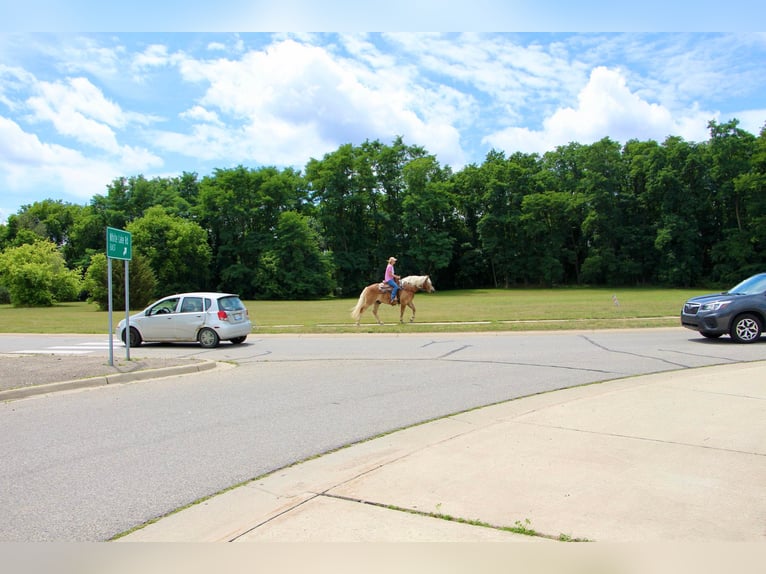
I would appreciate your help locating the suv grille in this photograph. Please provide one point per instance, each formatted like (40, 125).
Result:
(691, 308)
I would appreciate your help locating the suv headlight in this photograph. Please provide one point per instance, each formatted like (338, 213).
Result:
(715, 305)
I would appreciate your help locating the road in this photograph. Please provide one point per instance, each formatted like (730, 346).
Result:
(86, 465)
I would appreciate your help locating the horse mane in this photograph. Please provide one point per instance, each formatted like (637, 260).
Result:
(416, 281)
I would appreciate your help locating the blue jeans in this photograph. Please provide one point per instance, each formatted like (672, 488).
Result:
(396, 289)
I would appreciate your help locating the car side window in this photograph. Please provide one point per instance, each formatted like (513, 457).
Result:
(165, 307)
(208, 304)
(191, 305)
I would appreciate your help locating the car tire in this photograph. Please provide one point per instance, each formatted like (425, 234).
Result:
(710, 335)
(746, 328)
(135, 337)
(208, 338)
(238, 340)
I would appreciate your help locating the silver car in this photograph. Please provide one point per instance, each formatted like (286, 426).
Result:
(206, 317)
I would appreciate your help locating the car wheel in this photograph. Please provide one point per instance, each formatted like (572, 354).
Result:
(135, 337)
(746, 328)
(710, 335)
(238, 340)
(208, 338)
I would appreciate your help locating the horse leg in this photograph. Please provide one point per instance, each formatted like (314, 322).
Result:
(375, 311)
(411, 305)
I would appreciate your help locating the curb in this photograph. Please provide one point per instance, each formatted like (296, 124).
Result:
(102, 380)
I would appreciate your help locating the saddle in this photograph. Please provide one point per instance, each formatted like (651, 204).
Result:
(384, 287)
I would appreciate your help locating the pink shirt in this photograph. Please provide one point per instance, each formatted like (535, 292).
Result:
(389, 272)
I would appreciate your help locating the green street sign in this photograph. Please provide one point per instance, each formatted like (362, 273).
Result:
(119, 244)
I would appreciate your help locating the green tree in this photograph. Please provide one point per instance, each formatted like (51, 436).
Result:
(47, 219)
(142, 283)
(550, 228)
(603, 182)
(239, 208)
(345, 212)
(469, 266)
(677, 186)
(176, 248)
(358, 193)
(427, 211)
(35, 275)
(731, 149)
(294, 267)
(506, 182)
(742, 249)
(641, 211)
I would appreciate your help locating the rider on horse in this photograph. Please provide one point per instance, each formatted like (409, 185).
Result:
(392, 279)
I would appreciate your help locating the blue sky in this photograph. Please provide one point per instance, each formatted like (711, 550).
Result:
(253, 84)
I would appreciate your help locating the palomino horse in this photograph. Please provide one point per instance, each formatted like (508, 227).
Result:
(378, 293)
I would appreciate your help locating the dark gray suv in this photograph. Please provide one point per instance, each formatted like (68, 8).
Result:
(739, 312)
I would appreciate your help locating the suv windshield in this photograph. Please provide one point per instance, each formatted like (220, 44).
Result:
(750, 286)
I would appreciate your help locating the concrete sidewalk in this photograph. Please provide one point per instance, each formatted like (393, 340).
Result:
(676, 456)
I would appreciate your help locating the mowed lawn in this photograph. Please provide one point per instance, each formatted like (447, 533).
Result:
(443, 311)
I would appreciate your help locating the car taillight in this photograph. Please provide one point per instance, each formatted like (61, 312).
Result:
(222, 315)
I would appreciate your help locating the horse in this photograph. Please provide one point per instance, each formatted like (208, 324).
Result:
(378, 293)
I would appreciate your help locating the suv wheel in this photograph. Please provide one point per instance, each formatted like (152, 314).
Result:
(208, 338)
(746, 328)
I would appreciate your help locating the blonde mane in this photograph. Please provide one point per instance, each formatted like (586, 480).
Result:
(416, 281)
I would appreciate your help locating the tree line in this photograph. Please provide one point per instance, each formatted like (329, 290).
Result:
(675, 213)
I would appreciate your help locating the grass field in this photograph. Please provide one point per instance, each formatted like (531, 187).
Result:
(447, 311)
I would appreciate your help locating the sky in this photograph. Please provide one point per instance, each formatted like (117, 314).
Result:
(91, 93)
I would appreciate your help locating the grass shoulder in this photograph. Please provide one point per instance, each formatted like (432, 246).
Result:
(474, 310)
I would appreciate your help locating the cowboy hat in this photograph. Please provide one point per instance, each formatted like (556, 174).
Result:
(392, 259)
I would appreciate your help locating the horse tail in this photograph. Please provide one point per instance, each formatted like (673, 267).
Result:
(356, 312)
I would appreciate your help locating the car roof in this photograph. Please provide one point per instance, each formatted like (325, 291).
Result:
(209, 294)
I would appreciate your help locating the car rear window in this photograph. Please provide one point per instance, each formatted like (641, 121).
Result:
(231, 303)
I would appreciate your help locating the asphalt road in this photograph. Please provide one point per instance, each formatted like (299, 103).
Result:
(86, 465)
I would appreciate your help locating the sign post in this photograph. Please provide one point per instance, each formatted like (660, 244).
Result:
(119, 245)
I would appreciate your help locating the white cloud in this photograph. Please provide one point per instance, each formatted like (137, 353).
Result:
(85, 55)
(154, 56)
(294, 101)
(605, 108)
(752, 121)
(77, 109)
(27, 164)
(198, 113)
